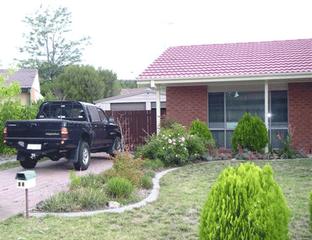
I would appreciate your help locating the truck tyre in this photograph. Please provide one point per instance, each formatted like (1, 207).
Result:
(116, 147)
(83, 156)
(28, 163)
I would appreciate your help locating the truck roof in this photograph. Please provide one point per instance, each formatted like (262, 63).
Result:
(68, 101)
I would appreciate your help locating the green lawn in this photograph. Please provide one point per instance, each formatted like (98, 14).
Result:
(7, 165)
(175, 214)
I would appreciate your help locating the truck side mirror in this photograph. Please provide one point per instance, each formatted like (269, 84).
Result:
(111, 120)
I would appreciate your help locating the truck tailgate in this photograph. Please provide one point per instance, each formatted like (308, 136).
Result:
(34, 129)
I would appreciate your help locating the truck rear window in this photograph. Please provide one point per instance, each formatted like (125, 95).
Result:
(68, 111)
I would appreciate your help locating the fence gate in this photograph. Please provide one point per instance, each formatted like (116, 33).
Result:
(136, 125)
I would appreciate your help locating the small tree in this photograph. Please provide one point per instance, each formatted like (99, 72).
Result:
(245, 203)
(47, 46)
(250, 134)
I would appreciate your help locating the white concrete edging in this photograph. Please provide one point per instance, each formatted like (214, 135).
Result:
(150, 198)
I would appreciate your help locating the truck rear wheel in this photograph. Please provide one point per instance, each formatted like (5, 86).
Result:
(26, 161)
(29, 163)
(83, 156)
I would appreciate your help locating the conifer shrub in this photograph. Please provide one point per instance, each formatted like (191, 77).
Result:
(201, 130)
(245, 203)
(250, 134)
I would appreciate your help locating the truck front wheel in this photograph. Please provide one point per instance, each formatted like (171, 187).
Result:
(117, 147)
(83, 156)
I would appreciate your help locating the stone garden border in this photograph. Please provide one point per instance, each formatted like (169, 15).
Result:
(153, 196)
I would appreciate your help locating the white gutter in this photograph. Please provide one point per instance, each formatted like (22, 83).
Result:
(218, 79)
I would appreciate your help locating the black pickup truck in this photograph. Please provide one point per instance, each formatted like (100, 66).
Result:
(68, 129)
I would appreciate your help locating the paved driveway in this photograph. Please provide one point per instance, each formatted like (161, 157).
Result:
(52, 177)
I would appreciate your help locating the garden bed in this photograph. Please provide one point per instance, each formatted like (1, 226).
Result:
(129, 181)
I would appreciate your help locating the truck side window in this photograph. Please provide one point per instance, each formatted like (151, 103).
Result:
(95, 117)
(103, 117)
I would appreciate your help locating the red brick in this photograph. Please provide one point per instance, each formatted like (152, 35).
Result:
(184, 104)
(300, 115)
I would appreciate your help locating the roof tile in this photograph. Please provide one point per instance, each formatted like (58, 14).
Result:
(232, 59)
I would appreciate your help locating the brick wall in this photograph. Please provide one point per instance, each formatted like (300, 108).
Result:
(300, 115)
(185, 104)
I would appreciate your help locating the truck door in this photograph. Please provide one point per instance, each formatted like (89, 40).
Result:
(106, 139)
(96, 126)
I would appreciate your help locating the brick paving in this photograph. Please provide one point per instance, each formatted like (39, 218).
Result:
(52, 177)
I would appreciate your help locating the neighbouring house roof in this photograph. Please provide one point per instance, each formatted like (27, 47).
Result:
(131, 91)
(146, 94)
(25, 77)
(232, 60)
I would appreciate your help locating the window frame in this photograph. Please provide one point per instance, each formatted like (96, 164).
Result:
(227, 129)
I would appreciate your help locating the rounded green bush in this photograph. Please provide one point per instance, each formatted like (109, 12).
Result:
(250, 134)
(245, 203)
(201, 130)
(119, 187)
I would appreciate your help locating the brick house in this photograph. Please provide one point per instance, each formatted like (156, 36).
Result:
(217, 83)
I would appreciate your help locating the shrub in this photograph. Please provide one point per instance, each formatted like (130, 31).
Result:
(201, 130)
(195, 146)
(310, 207)
(125, 166)
(245, 203)
(250, 134)
(118, 187)
(147, 182)
(88, 181)
(75, 200)
(153, 164)
(169, 146)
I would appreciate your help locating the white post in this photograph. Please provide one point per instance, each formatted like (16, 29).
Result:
(148, 106)
(158, 113)
(266, 109)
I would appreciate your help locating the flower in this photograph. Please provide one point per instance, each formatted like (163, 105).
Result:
(169, 140)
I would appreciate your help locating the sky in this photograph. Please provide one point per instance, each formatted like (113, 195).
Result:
(127, 36)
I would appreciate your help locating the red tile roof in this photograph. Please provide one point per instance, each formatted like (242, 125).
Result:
(232, 59)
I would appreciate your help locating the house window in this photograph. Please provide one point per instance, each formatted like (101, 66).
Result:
(226, 109)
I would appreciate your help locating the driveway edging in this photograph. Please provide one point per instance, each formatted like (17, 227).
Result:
(153, 196)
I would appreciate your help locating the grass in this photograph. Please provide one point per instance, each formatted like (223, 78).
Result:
(8, 165)
(14, 164)
(175, 214)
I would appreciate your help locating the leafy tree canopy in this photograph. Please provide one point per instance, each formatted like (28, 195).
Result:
(47, 47)
(79, 82)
